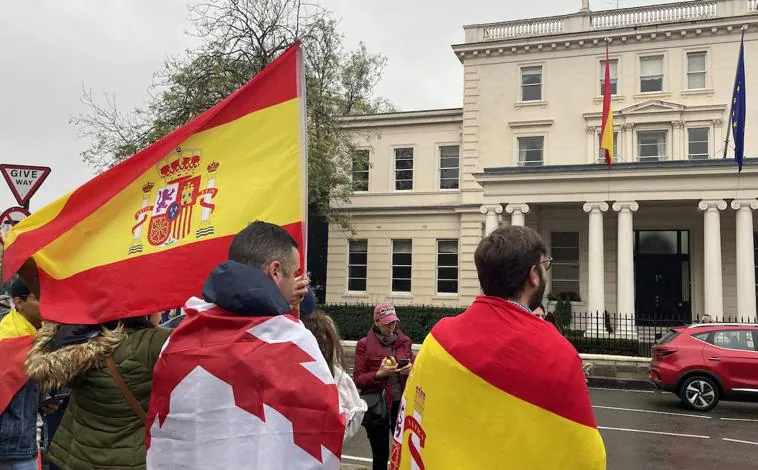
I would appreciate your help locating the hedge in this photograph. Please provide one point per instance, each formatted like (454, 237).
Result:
(355, 320)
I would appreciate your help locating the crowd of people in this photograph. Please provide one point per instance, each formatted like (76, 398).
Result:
(90, 395)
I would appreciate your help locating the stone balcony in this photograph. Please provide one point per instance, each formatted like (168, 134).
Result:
(587, 21)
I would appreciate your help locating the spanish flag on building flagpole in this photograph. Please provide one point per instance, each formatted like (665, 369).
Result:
(496, 388)
(606, 131)
(143, 236)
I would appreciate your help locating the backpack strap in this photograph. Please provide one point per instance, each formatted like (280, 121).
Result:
(113, 370)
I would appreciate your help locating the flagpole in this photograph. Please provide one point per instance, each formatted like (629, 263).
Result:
(729, 125)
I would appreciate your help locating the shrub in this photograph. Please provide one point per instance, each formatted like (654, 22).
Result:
(563, 308)
(416, 321)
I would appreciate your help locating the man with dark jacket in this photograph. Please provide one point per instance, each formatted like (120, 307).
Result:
(19, 420)
(242, 383)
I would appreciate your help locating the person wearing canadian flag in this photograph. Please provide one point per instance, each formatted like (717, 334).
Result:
(241, 382)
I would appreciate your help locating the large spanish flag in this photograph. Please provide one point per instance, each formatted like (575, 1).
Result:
(606, 129)
(496, 387)
(143, 236)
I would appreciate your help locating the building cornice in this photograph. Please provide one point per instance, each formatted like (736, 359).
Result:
(431, 116)
(594, 38)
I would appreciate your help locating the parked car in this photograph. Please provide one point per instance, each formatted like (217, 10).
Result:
(705, 363)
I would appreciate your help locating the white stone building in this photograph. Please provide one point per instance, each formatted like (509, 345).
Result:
(667, 231)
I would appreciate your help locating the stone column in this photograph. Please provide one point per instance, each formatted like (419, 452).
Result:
(518, 213)
(596, 267)
(713, 288)
(717, 139)
(491, 212)
(628, 153)
(676, 141)
(745, 257)
(625, 265)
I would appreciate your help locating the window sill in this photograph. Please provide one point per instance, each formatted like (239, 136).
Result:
(702, 91)
(599, 99)
(530, 104)
(652, 94)
(362, 295)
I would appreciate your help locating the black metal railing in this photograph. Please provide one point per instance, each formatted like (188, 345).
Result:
(625, 335)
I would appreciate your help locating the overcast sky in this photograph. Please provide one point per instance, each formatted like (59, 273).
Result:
(50, 49)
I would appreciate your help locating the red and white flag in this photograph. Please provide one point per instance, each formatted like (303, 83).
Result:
(233, 392)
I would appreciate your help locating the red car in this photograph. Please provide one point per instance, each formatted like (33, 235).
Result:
(706, 363)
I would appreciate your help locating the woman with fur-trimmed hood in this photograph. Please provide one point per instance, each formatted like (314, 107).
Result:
(100, 429)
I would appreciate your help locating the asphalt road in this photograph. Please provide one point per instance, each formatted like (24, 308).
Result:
(651, 430)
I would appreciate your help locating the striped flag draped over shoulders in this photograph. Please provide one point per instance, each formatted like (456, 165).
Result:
(141, 237)
(232, 392)
(496, 387)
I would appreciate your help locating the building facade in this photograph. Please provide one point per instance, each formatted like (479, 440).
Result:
(667, 231)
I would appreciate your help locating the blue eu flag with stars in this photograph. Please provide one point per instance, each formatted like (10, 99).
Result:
(738, 108)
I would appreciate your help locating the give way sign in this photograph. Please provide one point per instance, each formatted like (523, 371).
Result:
(24, 180)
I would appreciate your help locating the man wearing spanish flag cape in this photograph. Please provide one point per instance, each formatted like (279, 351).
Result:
(241, 383)
(497, 387)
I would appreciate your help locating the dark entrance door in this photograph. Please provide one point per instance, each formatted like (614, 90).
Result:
(662, 276)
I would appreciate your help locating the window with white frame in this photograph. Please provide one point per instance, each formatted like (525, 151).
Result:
(531, 151)
(696, 70)
(404, 169)
(614, 66)
(449, 166)
(601, 152)
(698, 143)
(447, 266)
(360, 170)
(651, 145)
(531, 83)
(564, 248)
(402, 259)
(651, 74)
(357, 265)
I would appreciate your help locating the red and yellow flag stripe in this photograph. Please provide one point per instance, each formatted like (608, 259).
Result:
(606, 130)
(143, 236)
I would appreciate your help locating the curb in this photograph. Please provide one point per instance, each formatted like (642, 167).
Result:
(621, 384)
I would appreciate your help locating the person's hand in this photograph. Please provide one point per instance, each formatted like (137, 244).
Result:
(301, 288)
(386, 370)
(405, 370)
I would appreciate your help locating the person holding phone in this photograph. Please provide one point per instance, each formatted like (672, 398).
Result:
(383, 360)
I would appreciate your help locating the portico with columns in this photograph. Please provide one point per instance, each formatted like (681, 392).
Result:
(681, 229)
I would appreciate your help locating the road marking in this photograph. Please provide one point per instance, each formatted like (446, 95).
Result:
(740, 419)
(621, 390)
(651, 411)
(741, 442)
(653, 432)
(358, 459)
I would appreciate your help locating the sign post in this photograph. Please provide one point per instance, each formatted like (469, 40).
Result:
(24, 181)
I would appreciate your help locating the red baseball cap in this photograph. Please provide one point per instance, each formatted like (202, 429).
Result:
(385, 314)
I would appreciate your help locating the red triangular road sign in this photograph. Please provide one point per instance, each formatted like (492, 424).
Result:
(24, 180)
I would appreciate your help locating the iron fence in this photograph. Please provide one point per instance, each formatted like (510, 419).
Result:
(625, 335)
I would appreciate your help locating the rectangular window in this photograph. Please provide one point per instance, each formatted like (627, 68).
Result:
(356, 265)
(651, 74)
(403, 169)
(614, 65)
(697, 143)
(449, 167)
(447, 266)
(530, 151)
(402, 259)
(531, 83)
(564, 248)
(601, 152)
(360, 170)
(696, 70)
(651, 145)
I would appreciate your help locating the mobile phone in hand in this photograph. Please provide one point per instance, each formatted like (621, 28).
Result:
(402, 363)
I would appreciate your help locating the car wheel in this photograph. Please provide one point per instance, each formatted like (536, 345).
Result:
(699, 393)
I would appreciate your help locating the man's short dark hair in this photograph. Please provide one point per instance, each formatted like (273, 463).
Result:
(19, 289)
(504, 259)
(260, 244)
